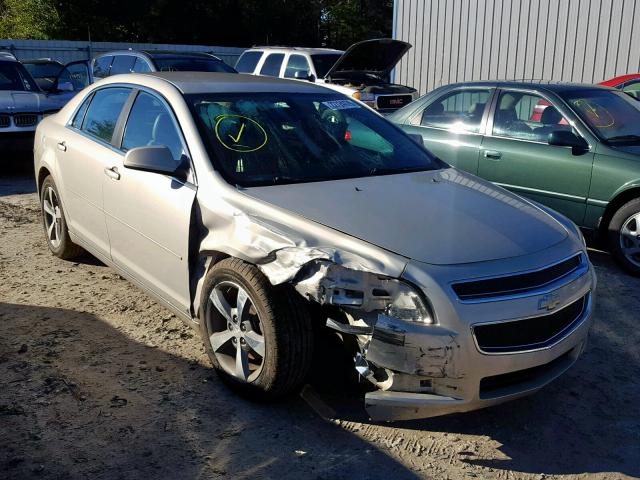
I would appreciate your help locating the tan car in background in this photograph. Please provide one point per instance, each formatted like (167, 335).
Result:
(253, 207)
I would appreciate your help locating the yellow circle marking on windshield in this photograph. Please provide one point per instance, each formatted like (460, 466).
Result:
(244, 134)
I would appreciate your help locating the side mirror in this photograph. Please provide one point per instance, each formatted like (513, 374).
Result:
(156, 159)
(304, 75)
(564, 138)
(416, 137)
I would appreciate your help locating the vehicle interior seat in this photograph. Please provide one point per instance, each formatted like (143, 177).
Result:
(476, 111)
(550, 120)
(506, 123)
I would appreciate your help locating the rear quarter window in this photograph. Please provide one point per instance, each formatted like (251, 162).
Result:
(248, 61)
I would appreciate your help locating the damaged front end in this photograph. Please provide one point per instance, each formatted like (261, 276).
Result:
(402, 348)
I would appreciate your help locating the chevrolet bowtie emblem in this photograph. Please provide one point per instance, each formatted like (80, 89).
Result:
(549, 301)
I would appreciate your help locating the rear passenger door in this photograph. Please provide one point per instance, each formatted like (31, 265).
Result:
(516, 153)
(84, 149)
(452, 124)
(148, 214)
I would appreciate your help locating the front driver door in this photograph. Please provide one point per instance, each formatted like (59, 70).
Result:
(148, 214)
(517, 156)
(451, 126)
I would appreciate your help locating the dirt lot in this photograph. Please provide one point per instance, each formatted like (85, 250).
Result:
(97, 380)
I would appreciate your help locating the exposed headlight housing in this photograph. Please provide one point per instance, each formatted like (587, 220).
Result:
(332, 284)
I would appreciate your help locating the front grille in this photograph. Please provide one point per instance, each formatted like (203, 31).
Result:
(5, 121)
(529, 333)
(25, 119)
(505, 384)
(514, 284)
(387, 102)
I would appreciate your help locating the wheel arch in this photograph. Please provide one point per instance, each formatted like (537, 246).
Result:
(42, 174)
(612, 207)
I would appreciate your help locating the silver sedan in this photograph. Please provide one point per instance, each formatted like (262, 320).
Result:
(260, 210)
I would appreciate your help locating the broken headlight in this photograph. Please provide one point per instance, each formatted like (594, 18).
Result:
(407, 304)
(328, 283)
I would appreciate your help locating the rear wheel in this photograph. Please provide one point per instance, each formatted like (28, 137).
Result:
(257, 336)
(55, 223)
(624, 236)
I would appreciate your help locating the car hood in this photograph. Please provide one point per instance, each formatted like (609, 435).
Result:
(632, 149)
(377, 57)
(16, 101)
(438, 217)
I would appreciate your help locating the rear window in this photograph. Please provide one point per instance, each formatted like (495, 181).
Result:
(122, 64)
(248, 61)
(191, 64)
(272, 64)
(101, 67)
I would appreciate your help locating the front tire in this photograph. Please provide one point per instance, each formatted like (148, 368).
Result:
(624, 236)
(257, 336)
(55, 223)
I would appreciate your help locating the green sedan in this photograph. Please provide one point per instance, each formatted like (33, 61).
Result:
(574, 148)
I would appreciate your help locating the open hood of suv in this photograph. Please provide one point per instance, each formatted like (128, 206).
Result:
(377, 57)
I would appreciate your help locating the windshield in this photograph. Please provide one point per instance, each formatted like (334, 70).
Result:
(323, 62)
(43, 70)
(185, 64)
(613, 115)
(273, 138)
(13, 76)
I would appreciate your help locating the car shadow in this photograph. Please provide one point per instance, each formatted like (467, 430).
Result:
(588, 420)
(81, 399)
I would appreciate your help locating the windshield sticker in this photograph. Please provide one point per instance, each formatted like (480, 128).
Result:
(340, 104)
(240, 133)
(596, 114)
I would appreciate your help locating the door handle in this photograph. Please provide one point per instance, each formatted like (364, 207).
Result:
(62, 146)
(112, 173)
(492, 155)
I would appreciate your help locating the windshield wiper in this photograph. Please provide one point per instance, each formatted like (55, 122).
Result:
(623, 139)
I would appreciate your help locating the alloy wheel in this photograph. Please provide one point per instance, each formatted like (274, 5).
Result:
(235, 330)
(52, 217)
(630, 239)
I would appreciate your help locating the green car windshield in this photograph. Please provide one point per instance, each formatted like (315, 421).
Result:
(613, 115)
(273, 138)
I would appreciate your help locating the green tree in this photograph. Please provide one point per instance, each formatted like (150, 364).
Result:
(31, 19)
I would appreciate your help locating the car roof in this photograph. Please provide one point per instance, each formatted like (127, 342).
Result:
(210, 82)
(548, 85)
(613, 82)
(159, 54)
(40, 61)
(310, 50)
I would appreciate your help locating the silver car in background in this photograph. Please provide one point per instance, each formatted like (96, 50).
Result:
(260, 209)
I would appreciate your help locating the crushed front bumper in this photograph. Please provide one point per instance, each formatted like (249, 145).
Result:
(430, 370)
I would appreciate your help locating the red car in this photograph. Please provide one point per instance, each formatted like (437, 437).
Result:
(627, 83)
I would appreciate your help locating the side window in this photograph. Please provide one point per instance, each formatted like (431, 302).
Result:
(296, 63)
(122, 64)
(141, 66)
(101, 67)
(248, 61)
(151, 123)
(460, 110)
(525, 116)
(633, 89)
(272, 64)
(75, 74)
(103, 112)
(79, 117)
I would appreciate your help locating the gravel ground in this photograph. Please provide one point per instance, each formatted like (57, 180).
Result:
(97, 380)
